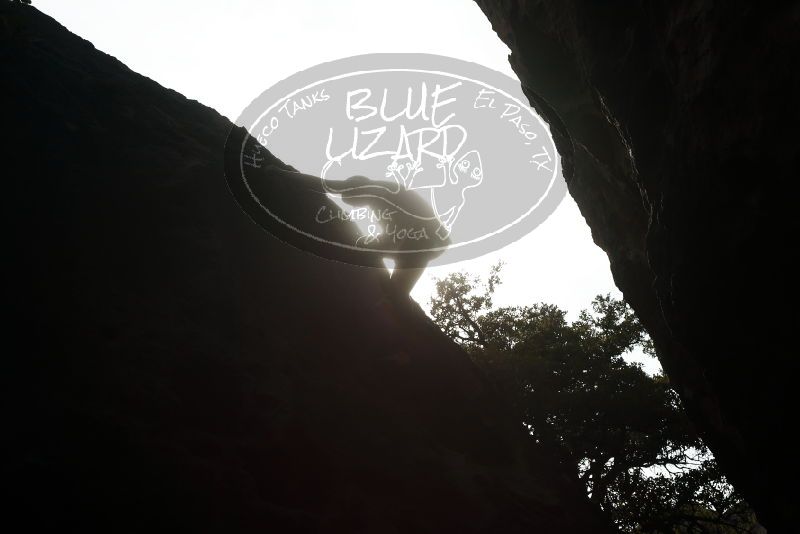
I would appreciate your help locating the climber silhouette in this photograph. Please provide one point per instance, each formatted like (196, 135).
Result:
(404, 223)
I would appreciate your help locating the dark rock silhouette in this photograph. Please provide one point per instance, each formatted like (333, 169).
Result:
(675, 121)
(169, 366)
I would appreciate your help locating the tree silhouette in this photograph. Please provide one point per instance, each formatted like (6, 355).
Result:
(621, 431)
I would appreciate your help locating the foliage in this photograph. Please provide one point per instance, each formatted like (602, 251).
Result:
(621, 431)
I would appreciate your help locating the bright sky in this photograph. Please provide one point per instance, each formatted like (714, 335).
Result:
(224, 54)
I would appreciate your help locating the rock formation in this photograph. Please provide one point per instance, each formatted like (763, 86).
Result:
(676, 124)
(170, 366)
